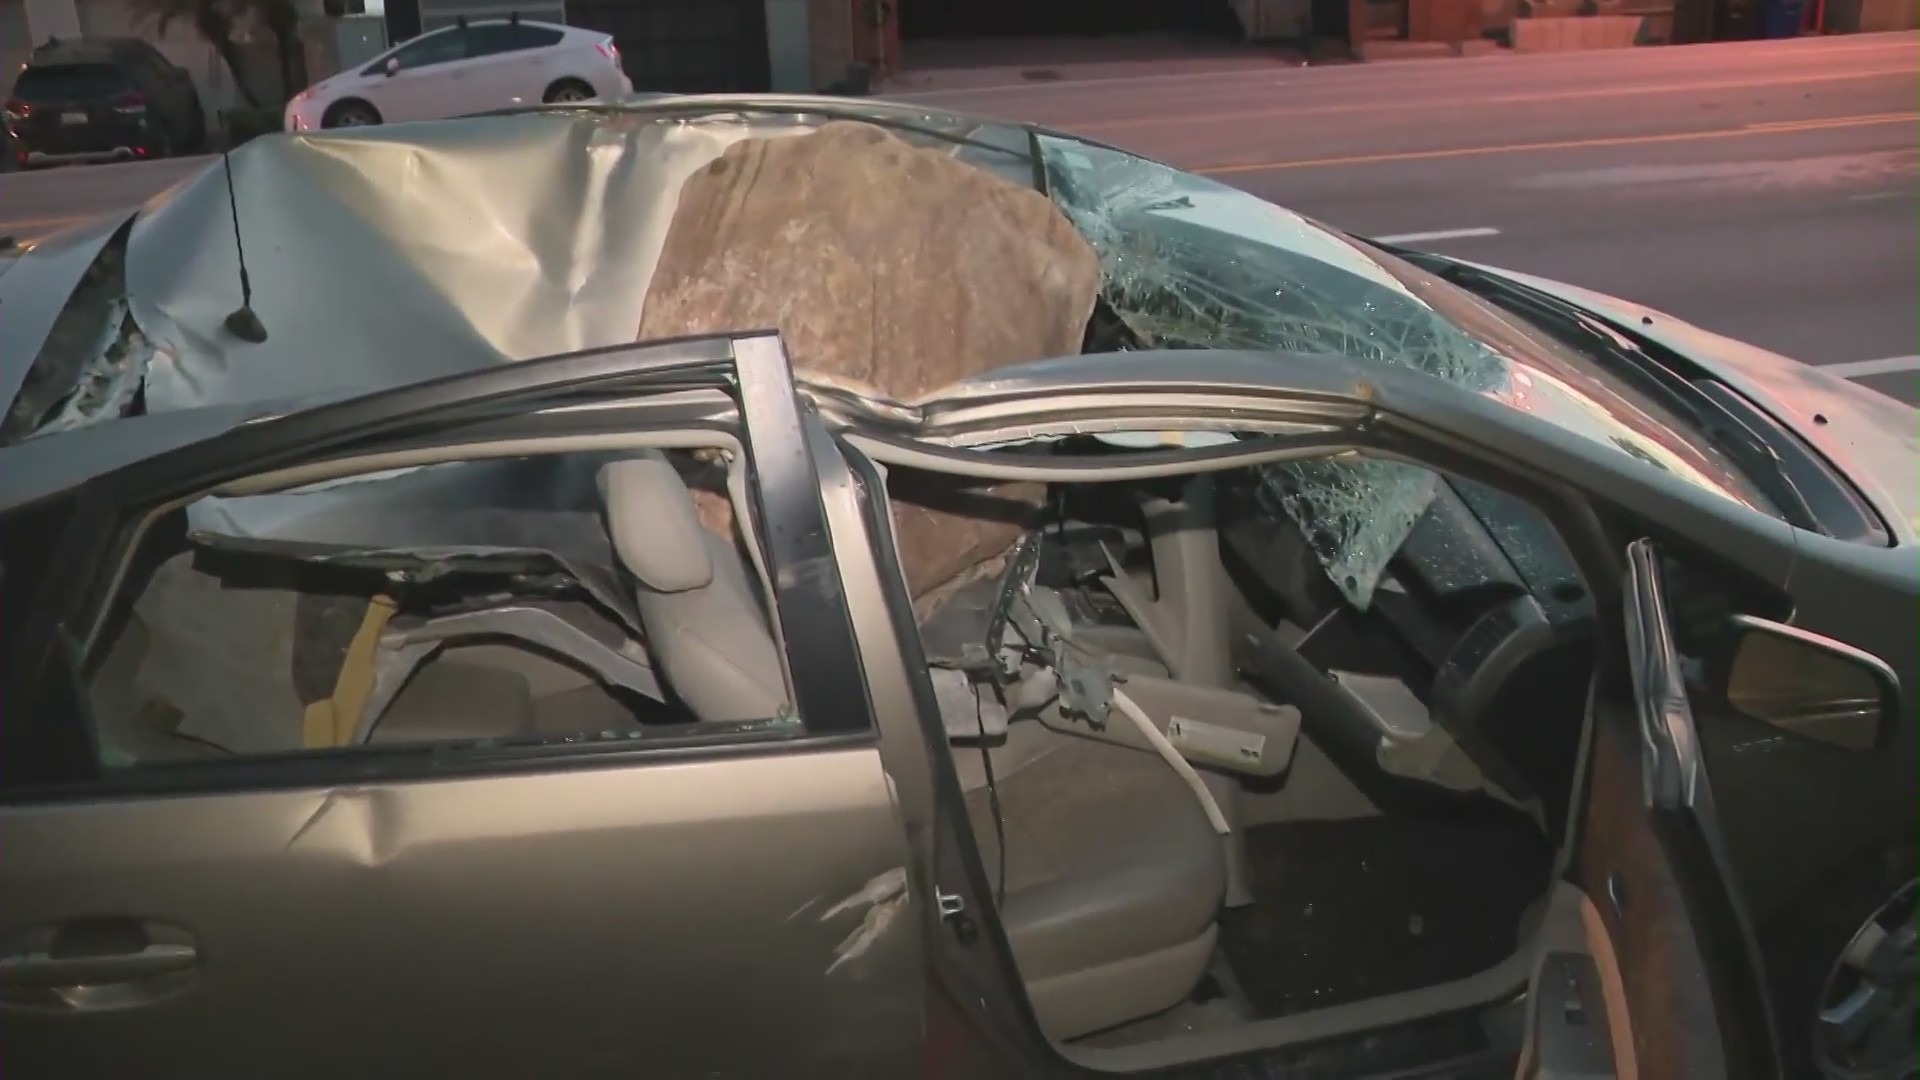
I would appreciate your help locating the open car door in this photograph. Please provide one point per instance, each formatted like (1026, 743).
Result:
(1666, 983)
(1689, 973)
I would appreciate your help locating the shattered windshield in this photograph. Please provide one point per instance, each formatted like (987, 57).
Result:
(1190, 263)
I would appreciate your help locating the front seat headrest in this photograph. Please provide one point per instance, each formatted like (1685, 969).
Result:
(655, 527)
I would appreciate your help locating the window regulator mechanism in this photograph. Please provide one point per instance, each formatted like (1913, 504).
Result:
(1030, 626)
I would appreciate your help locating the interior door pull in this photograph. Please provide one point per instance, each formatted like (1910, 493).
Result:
(37, 970)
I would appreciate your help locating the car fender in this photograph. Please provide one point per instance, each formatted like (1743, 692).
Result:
(38, 287)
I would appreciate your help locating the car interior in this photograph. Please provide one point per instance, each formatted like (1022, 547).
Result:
(1372, 797)
(334, 641)
(1214, 795)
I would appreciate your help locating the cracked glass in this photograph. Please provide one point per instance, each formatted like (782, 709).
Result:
(1189, 263)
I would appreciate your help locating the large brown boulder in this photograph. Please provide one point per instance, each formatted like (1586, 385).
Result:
(889, 268)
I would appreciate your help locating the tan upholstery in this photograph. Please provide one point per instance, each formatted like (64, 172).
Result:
(1114, 876)
(454, 702)
(706, 632)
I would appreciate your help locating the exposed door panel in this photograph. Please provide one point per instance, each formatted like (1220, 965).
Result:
(484, 927)
(584, 906)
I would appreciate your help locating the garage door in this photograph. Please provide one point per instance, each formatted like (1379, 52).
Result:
(684, 46)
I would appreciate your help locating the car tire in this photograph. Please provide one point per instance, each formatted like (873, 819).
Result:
(1811, 972)
(568, 90)
(351, 112)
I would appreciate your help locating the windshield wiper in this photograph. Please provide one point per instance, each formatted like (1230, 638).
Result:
(1723, 429)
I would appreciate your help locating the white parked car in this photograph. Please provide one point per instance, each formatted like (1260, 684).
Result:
(465, 69)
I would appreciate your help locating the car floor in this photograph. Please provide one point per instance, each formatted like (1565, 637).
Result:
(1352, 903)
(1352, 909)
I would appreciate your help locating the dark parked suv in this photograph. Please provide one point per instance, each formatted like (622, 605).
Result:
(105, 99)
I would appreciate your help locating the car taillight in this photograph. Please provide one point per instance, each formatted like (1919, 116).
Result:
(609, 50)
(132, 101)
(16, 109)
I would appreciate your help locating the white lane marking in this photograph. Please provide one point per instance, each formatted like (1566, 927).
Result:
(1860, 369)
(1438, 234)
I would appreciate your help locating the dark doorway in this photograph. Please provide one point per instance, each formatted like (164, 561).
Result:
(922, 20)
(684, 46)
(1337, 24)
(403, 20)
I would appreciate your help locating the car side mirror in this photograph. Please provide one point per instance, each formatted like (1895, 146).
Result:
(1809, 685)
(393, 66)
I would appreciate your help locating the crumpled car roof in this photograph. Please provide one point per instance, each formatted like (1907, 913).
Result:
(391, 255)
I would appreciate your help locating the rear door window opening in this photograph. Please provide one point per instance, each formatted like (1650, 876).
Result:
(430, 625)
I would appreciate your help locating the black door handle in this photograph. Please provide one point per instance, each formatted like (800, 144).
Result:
(39, 970)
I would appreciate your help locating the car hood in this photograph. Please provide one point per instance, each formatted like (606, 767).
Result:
(1871, 438)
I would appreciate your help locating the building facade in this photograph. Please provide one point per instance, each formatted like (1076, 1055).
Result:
(686, 46)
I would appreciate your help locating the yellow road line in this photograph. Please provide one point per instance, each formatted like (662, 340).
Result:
(22, 225)
(1817, 121)
(1777, 128)
(1278, 112)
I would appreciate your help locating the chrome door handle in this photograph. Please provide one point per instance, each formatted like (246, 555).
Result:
(39, 970)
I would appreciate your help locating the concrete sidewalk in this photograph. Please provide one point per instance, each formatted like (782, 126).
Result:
(932, 68)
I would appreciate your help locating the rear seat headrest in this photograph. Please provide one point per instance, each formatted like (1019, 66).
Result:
(655, 527)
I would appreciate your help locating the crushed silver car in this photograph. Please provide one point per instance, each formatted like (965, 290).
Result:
(799, 587)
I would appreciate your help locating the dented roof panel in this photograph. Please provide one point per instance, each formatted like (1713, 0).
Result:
(38, 290)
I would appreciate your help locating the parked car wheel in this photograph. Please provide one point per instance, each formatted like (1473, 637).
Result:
(1845, 988)
(567, 90)
(350, 113)
(1865, 1025)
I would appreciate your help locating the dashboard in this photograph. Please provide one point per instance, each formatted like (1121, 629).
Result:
(1482, 614)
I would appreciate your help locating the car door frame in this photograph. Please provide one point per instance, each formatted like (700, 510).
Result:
(53, 762)
(1643, 723)
(1315, 404)
(1736, 789)
(977, 1019)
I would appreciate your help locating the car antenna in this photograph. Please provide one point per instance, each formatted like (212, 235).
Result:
(513, 18)
(243, 323)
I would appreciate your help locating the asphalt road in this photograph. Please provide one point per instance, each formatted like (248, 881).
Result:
(1768, 190)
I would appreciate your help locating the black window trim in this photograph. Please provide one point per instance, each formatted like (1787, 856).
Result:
(547, 38)
(379, 67)
(810, 600)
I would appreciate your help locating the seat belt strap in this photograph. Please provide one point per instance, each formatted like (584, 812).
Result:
(332, 721)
